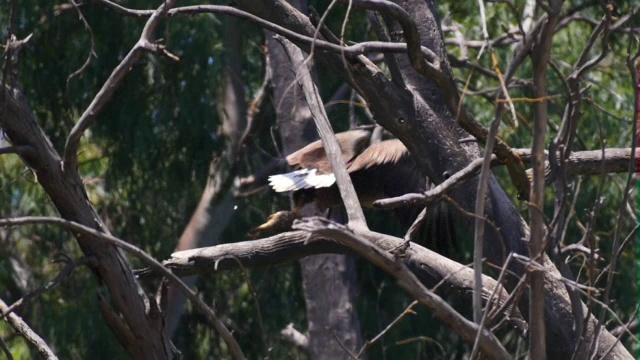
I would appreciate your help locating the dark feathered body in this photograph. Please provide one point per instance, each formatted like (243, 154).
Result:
(383, 170)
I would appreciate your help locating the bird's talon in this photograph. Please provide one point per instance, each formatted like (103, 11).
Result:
(401, 250)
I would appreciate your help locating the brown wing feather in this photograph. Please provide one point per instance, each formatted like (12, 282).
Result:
(385, 170)
(313, 156)
(387, 152)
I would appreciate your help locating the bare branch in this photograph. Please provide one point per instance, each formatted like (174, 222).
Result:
(20, 326)
(67, 192)
(324, 228)
(630, 327)
(431, 267)
(478, 231)
(347, 191)
(92, 52)
(113, 82)
(133, 250)
(369, 343)
(589, 162)
(6, 349)
(48, 286)
(410, 32)
(485, 314)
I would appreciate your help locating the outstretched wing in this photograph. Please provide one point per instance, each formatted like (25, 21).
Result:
(313, 156)
(386, 153)
(301, 179)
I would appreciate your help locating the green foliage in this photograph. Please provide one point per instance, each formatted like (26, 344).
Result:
(146, 159)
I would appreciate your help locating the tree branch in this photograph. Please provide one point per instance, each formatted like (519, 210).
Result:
(67, 192)
(332, 149)
(394, 266)
(31, 336)
(590, 162)
(113, 82)
(63, 274)
(431, 267)
(111, 240)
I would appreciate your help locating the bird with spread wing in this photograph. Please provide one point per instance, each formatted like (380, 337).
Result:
(382, 170)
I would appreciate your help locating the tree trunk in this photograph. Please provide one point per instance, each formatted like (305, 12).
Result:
(414, 110)
(216, 203)
(328, 280)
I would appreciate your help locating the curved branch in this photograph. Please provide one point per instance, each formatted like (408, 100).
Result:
(153, 263)
(409, 29)
(430, 267)
(487, 342)
(113, 82)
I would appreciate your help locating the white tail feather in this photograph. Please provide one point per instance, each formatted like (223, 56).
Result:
(301, 179)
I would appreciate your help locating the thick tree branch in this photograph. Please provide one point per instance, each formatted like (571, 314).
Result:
(113, 241)
(67, 192)
(394, 266)
(432, 268)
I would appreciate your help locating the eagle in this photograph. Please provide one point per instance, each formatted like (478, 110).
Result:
(382, 170)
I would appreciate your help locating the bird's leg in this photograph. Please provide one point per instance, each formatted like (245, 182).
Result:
(400, 250)
(413, 229)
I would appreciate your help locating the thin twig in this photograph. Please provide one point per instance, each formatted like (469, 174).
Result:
(92, 52)
(247, 279)
(31, 336)
(367, 345)
(485, 313)
(62, 275)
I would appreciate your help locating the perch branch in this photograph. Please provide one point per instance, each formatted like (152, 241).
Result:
(320, 227)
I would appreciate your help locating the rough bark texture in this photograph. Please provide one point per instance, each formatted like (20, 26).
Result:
(138, 325)
(431, 268)
(418, 118)
(328, 280)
